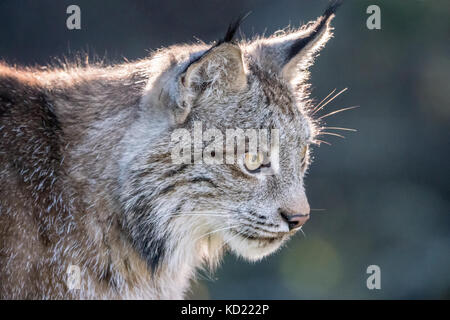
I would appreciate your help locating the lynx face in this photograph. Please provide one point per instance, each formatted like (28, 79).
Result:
(251, 206)
(259, 201)
(87, 155)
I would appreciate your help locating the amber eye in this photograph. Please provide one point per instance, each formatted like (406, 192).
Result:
(253, 161)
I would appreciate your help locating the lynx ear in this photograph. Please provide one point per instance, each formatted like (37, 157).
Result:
(294, 51)
(213, 74)
(220, 70)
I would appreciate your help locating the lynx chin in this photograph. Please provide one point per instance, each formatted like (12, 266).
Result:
(87, 178)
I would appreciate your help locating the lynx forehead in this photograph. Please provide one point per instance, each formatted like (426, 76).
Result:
(88, 181)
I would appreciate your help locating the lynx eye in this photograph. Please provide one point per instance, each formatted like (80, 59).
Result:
(253, 161)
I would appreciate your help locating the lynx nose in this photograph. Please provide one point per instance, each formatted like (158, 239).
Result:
(295, 211)
(294, 220)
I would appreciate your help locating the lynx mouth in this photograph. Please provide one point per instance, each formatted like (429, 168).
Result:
(268, 239)
(254, 247)
(255, 237)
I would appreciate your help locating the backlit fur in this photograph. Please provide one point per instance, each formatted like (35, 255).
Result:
(86, 176)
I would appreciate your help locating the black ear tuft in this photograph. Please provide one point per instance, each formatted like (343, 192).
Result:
(231, 31)
(316, 29)
(332, 8)
(232, 28)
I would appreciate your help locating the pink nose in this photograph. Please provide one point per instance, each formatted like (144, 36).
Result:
(296, 220)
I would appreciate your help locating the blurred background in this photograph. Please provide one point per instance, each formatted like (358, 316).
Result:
(384, 189)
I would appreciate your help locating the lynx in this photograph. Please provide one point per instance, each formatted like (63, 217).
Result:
(87, 178)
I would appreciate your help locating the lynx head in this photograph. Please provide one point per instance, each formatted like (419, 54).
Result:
(193, 210)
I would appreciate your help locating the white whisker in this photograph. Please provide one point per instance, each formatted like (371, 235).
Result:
(301, 230)
(214, 231)
(337, 95)
(339, 128)
(318, 105)
(337, 111)
(318, 141)
(331, 134)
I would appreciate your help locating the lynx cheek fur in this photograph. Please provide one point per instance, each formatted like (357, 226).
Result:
(87, 179)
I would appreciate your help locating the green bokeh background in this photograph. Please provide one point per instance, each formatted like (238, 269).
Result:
(385, 188)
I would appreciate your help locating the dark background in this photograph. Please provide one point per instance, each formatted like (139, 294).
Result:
(385, 188)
